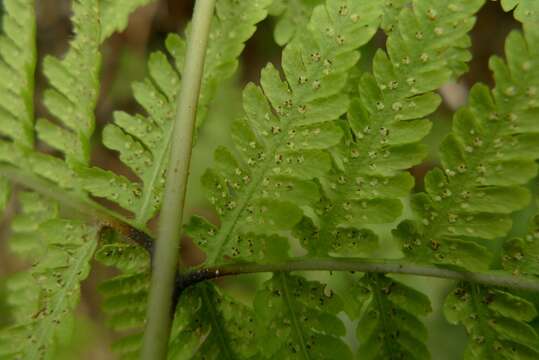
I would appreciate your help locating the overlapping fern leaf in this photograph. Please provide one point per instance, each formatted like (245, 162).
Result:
(288, 125)
(60, 250)
(521, 255)
(296, 319)
(524, 10)
(115, 14)
(389, 326)
(292, 17)
(486, 161)
(212, 325)
(17, 66)
(496, 321)
(44, 297)
(70, 99)
(427, 46)
(208, 324)
(143, 141)
(125, 296)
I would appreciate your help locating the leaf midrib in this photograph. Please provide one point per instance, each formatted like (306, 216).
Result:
(293, 318)
(44, 325)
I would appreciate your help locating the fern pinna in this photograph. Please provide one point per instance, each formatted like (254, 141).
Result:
(316, 175)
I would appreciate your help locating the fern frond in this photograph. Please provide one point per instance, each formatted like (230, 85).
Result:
(71, 99)
(521, 255)
(143, 142)
(288, 125)
(392, 10)
(115, 14)
(61, 251)
(207, 325)
(496, 322)
(387, 124)
(389, 327)
(485, 161)
(296, 318)
(211, 325)
(292, 16)
(125, 296)
(17, 67)
(524, 10)
(74, 82)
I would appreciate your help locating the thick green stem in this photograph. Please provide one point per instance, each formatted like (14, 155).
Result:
(166, 257)
(383, 266)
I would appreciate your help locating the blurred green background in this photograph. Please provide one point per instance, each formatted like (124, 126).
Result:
(125, 58)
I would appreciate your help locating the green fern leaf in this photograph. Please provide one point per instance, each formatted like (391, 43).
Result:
(125, 296)
(74, 88)
(207, 325)
(211, 325)
(115, 14)
(496, 322)
(488, 157)
(521, 255)
(392, 11)
(524, 10)
(143, 142)
(389, 327)
(288, 124)
(61, 251)
(292, 16)
(17, 67)
(296, 319)
(387, 123)
(71, 99)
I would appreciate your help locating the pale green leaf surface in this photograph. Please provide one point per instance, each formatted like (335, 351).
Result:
(389, 327)
(486, 160)
(288, 124)
(292, 16)
(143, 141)
(521, 255)
(115, 14)
(387, 121)
(496, 322)
(74, 85)
(296, 319)
(17, 66)
(61, 251)
(212, 325)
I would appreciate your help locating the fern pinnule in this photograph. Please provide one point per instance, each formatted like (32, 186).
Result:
(60, 251)
(496, 322)
(521, 255)
(143, 141)
(213, 325)
(525, 11)
(125, 296)
(297, 318)
(17, 66)
(292, 17)
(486, 161)
(387, 122)
(389, 327)
(288, 125)
(74, 86)
(114, 14)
